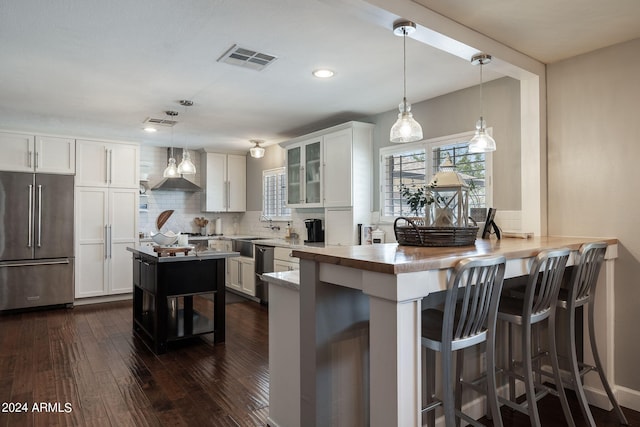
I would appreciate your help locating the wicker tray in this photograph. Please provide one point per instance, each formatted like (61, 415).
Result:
(418, 235)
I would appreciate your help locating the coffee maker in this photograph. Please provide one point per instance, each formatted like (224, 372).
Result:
(315, 233)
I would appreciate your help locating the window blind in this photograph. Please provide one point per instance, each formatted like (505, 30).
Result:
(274, 193)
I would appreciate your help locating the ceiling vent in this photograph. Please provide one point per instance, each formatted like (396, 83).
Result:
(161, 122)
(247, 58)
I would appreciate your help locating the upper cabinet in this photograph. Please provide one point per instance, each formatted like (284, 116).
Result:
(28, 153)
(331, 168)
(304, 174)
(107, 164)
(225, 182)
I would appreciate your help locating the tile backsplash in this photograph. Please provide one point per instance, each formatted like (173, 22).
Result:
(186, 206)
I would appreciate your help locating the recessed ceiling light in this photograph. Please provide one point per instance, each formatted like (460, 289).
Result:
(150, 129)
(323, 73)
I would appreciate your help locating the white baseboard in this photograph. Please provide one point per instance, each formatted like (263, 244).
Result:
(628, 398)
(272, 423)
(99, 300)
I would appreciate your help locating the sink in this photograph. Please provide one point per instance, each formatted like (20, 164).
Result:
(244, 245)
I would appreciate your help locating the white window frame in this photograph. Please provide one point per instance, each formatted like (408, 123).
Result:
(428, 146)
(281, 212)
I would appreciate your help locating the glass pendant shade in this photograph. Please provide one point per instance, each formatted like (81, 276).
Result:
(481, 142)
(405, 129)
(186, 166)
(171, 171)
(257, 152)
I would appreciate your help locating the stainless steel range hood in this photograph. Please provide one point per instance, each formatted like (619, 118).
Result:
(177, 184)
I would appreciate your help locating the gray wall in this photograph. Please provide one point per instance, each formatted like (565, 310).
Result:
(274, 157)
(458, 112)
(593, 156)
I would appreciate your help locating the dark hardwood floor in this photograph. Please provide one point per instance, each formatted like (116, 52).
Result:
(88, 358)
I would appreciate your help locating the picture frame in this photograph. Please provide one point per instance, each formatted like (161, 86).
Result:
(489, 224)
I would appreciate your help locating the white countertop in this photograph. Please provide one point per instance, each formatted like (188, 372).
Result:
(292, 244)
(193, 255)
(288, 279)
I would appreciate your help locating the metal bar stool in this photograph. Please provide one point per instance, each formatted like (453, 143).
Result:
(468, 319)
(528, 308)
(581, 291)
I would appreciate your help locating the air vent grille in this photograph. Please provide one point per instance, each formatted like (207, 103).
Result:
(161, 122)
(247, 58)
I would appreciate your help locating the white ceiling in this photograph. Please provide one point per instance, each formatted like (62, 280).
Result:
(98, 69)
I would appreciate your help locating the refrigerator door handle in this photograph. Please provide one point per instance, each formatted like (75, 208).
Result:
(110, 242)
(106, 242)
(30, 215)
(33, 264)
(39, 216)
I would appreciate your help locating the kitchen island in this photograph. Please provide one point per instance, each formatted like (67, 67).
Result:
(360, 319)
(178, 297)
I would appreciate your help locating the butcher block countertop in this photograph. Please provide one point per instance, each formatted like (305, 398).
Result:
(390, 258)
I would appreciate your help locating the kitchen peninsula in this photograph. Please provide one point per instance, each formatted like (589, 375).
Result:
(360, 317)
(178, 297)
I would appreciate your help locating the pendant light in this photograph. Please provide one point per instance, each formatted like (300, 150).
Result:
(405, 129)
(186, 166)
(256, 151)
(481, 142)
(171, 171)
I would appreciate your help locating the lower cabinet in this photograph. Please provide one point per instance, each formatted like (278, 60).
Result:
(283, 260)
(241, 275)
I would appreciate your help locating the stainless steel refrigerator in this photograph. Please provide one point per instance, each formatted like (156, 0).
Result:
(36, 240)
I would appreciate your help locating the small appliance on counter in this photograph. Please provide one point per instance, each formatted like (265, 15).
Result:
(315, 232)
(377, 236)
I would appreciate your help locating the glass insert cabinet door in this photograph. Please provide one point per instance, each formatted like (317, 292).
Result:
(294, 174)
(304, 174)
(312, 173)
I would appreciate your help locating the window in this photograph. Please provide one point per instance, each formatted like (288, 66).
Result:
(274, 194)
(416, 163)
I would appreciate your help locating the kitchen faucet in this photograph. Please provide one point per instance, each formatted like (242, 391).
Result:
(270, 226)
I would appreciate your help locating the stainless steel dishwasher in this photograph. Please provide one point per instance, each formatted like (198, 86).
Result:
(264, 264)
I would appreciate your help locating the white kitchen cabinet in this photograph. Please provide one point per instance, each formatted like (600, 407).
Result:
(304, 174)
(106, 223)
(283, 260)
(248, 276)
(225, 182)
(45, 154)
(331, 168)
(279, 265)
(107, 164)
(241, 275)
(234, 269)
(348, 166)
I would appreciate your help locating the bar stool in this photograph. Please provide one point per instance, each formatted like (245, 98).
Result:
(581, 291)
(527, 308)
(468, 319)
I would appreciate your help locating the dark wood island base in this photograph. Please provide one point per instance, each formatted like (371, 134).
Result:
(177, 298)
